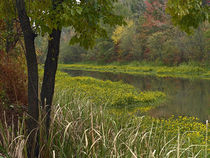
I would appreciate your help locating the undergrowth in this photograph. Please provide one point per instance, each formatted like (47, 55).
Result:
(83, 126)
(80, 128)
(13, 87)
(13, 80)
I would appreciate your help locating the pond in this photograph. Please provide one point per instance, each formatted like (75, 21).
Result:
(185, 97)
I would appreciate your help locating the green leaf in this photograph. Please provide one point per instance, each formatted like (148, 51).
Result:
(79, 10)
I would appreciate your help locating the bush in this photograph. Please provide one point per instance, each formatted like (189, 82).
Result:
(13, 80)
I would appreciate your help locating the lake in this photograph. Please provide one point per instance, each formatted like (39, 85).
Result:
(186, 97)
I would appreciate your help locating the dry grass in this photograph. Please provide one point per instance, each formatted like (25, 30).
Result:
(81, 129)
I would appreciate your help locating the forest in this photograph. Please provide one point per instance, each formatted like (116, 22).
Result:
(148, 36)
(104, 78)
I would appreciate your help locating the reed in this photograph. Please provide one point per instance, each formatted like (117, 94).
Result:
(80, 128)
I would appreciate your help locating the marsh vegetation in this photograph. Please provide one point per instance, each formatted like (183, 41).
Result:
(104, 78)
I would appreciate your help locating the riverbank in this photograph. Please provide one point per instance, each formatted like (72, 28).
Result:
(101, 131)
(83, 125)
(110, 131)
(182, 71)
(113, 94)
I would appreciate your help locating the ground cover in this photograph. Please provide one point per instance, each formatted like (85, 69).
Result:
(115, 94)
(183, 71)
(83, 126)
(134, 135)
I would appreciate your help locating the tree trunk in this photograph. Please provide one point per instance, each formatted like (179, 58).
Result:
(50, 69)
(33, 110)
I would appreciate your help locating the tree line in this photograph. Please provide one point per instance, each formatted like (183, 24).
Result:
(149, 35)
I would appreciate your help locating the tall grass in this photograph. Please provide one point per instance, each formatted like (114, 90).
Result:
(12, 140)
(80, 128)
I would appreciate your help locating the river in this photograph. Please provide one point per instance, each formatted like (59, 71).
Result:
(186, 97)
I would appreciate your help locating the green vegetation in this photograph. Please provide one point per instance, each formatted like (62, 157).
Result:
(188, 14)
(90, 117)
(115, 94)
(48, 18)
(149, 35)
(185, 71)
(84, 127)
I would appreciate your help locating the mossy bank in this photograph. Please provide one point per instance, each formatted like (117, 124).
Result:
(113, 94)
(182, 71)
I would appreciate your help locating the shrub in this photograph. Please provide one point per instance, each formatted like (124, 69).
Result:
(13, 80)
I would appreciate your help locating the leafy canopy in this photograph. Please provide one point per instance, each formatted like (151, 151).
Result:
(84, 17)
(188, 14)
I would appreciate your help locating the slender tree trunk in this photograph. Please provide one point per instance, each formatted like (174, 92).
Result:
(50, 69)
(33, 111)
(9, 24)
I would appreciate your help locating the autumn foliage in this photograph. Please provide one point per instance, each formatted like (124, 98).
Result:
(13, 80)
(155, 14)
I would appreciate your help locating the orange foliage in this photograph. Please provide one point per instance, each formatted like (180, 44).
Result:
(155, 14)
(13, 80)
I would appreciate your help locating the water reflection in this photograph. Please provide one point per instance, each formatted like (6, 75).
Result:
(186, 97)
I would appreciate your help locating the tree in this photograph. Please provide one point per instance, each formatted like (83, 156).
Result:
(188, 14)
(155, 17)
(85, 18)
(32, 67)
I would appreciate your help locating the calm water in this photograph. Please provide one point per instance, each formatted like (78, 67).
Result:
(186, 97)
